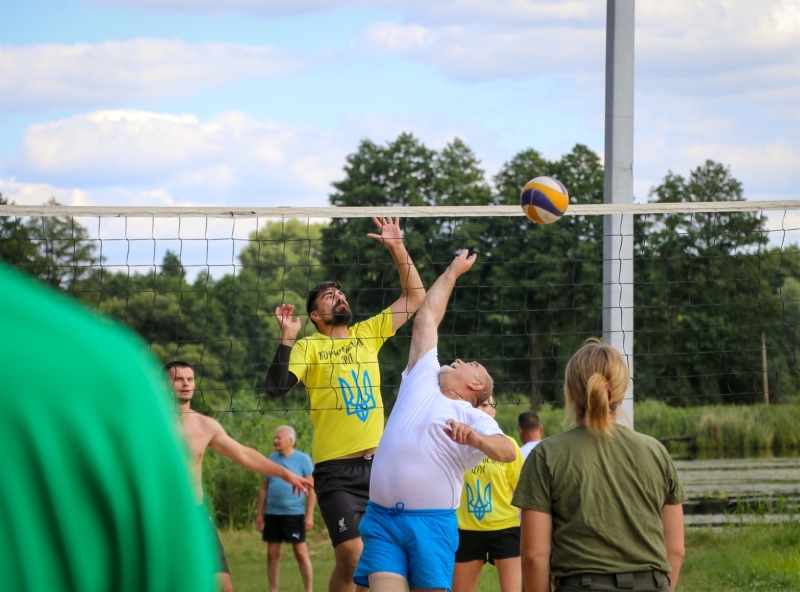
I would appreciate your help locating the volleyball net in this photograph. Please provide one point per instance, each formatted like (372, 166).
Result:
(716, 289)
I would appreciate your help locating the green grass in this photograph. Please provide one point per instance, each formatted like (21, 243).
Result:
(737, 558)
(247, 557)
(759, 557)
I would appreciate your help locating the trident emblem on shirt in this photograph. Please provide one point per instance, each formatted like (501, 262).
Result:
(360, 402)
(477, 504)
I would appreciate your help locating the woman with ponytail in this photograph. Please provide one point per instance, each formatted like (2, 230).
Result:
(601, 504)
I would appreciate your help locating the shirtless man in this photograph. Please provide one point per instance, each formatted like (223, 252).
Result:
(202, 432)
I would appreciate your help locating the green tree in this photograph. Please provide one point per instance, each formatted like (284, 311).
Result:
(171, 265)
(514, 310)
(547, 280)
(56, 250)
(702, 298)
(16, 244)
(279, 264)
(222, 326)
(406, 173)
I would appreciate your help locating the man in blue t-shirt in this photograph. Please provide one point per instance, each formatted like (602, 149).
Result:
(283, 516)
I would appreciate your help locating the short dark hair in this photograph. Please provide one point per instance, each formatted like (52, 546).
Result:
(311, 300)
(177, 364)
(528, 421)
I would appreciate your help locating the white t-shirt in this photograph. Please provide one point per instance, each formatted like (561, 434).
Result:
(417, 464)
(526, 448)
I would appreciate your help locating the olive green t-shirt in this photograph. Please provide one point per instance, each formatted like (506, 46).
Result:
(605, 495)
(95, 491)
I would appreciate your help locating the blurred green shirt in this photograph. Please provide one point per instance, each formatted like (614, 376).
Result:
(605, 496)
(95, 492)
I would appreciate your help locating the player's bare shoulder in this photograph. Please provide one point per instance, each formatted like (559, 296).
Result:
(199, 429)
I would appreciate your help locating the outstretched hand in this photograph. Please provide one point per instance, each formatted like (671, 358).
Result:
(390, 233)
(460, 433)
(300, 485)
(463, 262)
(289, 328)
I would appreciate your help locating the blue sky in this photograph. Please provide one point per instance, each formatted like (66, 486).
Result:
(238, 102)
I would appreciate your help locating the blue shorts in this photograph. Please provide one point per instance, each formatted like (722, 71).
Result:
(419, 545)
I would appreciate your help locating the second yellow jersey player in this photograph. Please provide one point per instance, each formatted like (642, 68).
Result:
(488, 525)
(487, 493)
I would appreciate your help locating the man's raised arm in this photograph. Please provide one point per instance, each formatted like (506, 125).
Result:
(430, 314)
(253, 460)
(413, 290)
(279, 380)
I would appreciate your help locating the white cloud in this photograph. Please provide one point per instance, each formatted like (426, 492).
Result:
(751, 45)
(784, 227)
(680, 133)
(713, 43)
(128, 157)
(514, 13)
(481, 52)
(217, 7)
(43, 76)
(36, 194)
(430, 11)
(227, 153)
(767, 169)
(716, 79)
(770, 164)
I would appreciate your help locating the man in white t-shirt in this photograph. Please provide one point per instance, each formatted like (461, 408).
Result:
(435, 434)
(531, 431)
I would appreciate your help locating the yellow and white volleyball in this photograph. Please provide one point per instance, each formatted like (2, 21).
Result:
(544, 200)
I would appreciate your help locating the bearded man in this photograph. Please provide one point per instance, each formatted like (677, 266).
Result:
(339, 367)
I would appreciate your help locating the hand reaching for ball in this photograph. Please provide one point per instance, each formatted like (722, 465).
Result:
(463, 262)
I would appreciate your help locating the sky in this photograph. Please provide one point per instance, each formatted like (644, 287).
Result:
(258, 103)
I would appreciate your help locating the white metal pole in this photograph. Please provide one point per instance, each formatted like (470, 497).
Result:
(618, 187)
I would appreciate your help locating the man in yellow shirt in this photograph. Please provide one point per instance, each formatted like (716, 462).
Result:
(488, 525)
(339, 367)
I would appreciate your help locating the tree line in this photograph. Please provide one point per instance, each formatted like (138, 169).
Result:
(709, 291)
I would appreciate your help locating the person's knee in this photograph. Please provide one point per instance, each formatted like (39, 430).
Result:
(348, 553)
(225, 584)
(300, 551)
(274, 553)
(348, 567)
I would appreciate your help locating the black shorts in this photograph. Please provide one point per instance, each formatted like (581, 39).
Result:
(487, 545)
(284, 529)
(342, 488)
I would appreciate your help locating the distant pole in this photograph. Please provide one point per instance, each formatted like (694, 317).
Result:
(618, 187)
(764, 369)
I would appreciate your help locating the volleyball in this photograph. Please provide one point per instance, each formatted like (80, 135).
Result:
(544, 200)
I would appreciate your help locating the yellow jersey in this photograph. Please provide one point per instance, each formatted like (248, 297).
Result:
(343, 380)
(486, 495)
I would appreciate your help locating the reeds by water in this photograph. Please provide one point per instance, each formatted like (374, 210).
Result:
(709, 428)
